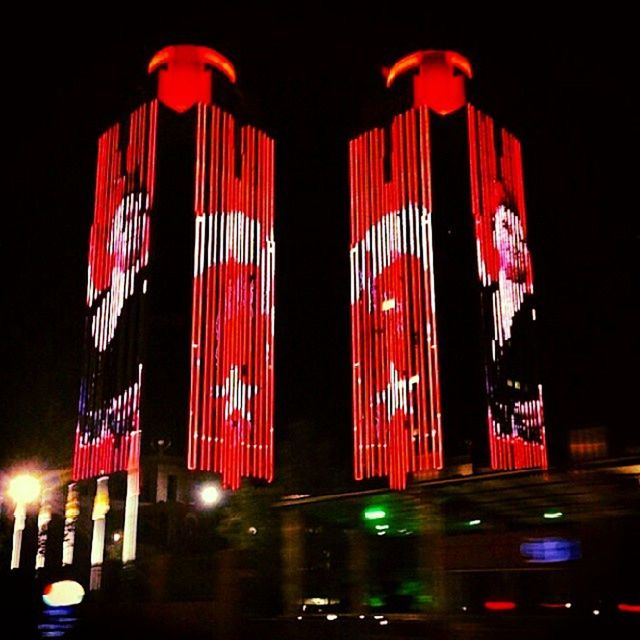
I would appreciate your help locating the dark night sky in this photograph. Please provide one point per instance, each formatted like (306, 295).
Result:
(564, 88)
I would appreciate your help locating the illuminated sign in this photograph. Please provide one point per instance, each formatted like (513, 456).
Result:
(549, 550)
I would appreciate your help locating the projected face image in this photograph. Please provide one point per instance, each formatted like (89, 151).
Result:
(513, 255)
(108, 429)
(509, 241)
(126, 251)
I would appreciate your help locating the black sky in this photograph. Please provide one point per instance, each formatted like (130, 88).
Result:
(564, 87)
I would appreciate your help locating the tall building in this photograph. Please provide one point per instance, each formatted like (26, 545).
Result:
(441, 285)
(179, 330)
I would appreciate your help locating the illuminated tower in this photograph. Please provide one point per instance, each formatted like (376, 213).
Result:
(179, 334)
(441, 285)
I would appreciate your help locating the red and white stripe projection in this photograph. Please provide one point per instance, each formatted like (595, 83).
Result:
(515, 412)
(231, 402)
(108, 433)
(396, 391)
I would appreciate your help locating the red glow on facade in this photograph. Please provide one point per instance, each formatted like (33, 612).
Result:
(499, 605)
(439, 81)
(185, 75)
(108, 432)
(396, 391)
(231, 401)
(515, 412)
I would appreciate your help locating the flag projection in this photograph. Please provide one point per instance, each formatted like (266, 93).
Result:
(515, 413)
(396, 391)
(108, 431)
(231, 400)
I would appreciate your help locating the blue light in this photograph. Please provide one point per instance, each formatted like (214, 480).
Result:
(546, 550)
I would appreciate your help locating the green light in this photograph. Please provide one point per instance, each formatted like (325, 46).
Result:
(374, 513)
(553, 515)
(375, 601)
(474, 523)
(410, 588)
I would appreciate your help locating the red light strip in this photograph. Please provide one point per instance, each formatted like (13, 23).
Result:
(629, 608)
(414, 60)
(231, 400)
(516, 426)
(107, 435)
(395, 381)
(183, 53)
(500, 605)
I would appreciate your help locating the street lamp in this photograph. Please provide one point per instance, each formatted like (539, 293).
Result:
(210, 494)
(23, 489)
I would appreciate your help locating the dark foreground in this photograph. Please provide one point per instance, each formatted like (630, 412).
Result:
(201, 620)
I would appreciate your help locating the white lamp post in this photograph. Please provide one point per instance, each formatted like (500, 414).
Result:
(44, 518)
(23, 489)
(99, 516)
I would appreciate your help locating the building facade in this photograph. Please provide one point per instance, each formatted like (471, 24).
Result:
(441, 285)
(179, 330)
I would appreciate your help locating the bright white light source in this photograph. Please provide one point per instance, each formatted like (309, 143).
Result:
(383, 622)
(117, 537)
(64, 593)
(210, 495)
(387, 305)
(567, 605)
(24, 489)
(475, 522)
(315, 601)
(596, 612)
(332, 616)
(361, 617)
(299, 617)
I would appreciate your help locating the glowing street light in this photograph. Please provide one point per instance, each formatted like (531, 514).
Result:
(23, 490)
(210, 495)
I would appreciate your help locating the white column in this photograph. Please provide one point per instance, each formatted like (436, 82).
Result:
(100, 510)
(130, 533)
(20, 518)
(44, 518)
(71, 513)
